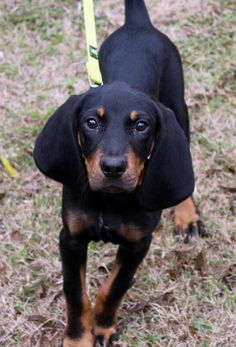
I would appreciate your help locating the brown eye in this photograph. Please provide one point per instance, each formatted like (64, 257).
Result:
(141, 126)
(91, 123)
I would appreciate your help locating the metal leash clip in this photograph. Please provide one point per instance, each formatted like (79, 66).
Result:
(93, 84)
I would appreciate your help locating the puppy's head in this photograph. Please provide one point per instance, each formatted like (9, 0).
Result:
(104, 139)
(116, 135)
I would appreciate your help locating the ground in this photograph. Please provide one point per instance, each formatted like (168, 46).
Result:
(183, 295)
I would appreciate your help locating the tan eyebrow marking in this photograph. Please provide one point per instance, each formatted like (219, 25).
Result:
(134, 115)
(100, 111)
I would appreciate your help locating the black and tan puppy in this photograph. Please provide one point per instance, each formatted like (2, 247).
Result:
(121, 152)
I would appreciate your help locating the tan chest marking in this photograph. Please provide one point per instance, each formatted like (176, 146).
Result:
(131, 232)
(77, 223)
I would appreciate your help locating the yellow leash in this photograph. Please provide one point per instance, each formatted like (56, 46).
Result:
(94, 74)
(8, 167)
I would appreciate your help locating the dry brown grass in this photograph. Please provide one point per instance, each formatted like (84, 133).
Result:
(183, 295)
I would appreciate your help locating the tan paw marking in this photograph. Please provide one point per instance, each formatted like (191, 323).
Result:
(87, 340)
(106, 333)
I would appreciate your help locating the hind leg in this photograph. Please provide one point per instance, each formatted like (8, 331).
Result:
(186, 217)
(187, 220)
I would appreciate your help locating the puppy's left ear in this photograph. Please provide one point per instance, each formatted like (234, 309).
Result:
(168, 176)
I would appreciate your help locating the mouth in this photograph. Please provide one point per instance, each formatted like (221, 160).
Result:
(113, 186)
(113, 189)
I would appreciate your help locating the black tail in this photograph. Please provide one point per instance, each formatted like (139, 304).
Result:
(136, 13)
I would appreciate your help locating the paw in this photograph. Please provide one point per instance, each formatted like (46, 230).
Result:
(194, 231)
(104, 336)
(191, 233)
(188, 225)
(86, 340)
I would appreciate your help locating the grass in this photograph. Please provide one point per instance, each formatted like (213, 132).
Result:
(183, 296)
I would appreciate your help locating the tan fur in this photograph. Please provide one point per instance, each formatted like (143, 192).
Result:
(131, 232)
(131, 177)
(140, 180)
(85, 319)
(95, 174)
(135, 167)
(106, 333)
(185, 213)
(134, 115)
(87, 340)
(100, 112)
(104, 290)
(77, 222)
(99, 306)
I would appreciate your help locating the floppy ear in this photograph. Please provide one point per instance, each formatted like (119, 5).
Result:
(168, 177)
(57, 152)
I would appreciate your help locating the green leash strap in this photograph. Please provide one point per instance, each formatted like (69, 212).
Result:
(94, 74)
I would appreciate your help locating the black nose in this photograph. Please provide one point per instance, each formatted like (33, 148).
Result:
(113, 167)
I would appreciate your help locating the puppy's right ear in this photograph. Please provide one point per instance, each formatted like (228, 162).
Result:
(57, 152)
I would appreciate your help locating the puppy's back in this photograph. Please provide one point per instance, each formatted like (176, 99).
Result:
(137, 52)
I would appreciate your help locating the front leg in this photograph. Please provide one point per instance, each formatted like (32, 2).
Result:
(111, 293)
(74, 256)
